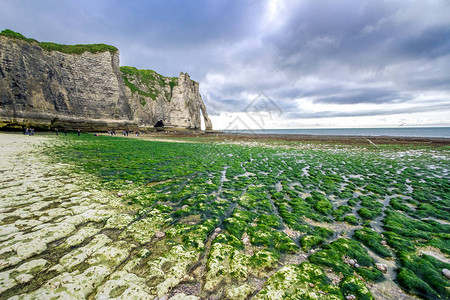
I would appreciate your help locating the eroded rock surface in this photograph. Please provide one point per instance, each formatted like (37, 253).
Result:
(59, 237)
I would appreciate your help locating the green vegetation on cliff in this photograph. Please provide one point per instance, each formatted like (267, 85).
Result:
(70, 49)
(152, 81)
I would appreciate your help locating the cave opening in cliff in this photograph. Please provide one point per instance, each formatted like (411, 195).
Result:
(159, 124)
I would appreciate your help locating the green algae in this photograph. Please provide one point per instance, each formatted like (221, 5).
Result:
(352, 285)
(306, 281)
(421, 275)
(372, 240)
(318, 236)
(255, 205)
(278, 241)
(351, 220)
(339, 212)
(333, 255)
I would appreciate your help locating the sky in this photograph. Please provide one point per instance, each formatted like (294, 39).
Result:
(273, 63)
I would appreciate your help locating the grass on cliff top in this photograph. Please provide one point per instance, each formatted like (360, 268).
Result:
(272, 202)
(70, 49)
(150, 79)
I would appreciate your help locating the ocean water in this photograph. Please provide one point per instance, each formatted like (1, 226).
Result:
(439, 132)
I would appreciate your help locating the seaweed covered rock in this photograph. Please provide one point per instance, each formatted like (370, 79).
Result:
(352, 285)
(344, 255)
(423, 276)
(306, 281)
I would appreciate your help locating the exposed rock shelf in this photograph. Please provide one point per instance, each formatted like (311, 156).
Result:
(58, 239)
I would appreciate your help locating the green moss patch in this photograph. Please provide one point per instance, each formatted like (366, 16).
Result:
(69, 49)
(152, 82)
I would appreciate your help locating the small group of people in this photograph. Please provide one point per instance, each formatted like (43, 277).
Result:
(124, 132)
(57, 131)
(28, 131)
(65, 132)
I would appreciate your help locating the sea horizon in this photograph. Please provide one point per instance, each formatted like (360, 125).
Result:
(435, 132)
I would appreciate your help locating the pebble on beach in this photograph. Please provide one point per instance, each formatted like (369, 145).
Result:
(381, 267)
(159, 234)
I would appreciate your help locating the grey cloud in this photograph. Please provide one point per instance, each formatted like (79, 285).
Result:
(354, 96)
(430, 42)
(365, 113)
(371, 51)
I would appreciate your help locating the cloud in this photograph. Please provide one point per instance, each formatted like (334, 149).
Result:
(367, 113)
(363, 95)
(313, 58)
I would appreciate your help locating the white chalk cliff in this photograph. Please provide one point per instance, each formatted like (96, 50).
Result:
(62, 86)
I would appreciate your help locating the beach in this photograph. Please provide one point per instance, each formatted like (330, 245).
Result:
(217, 216)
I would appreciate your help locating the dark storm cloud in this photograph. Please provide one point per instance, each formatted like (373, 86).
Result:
(429, 43)
(315, 33)
(330, 52)
(358, 34)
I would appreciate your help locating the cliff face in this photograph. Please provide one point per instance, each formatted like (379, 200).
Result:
(174, 100)
(47, 89)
